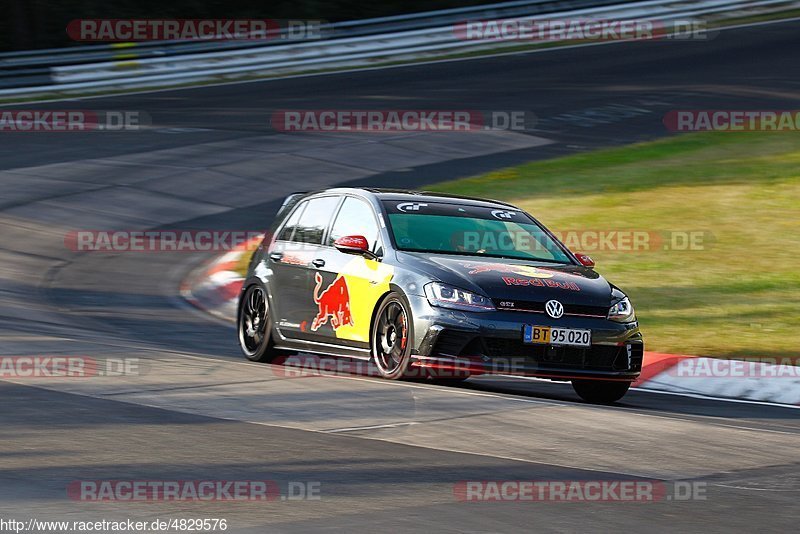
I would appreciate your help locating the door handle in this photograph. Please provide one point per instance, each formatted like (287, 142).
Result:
(276, 256)
(319, 262)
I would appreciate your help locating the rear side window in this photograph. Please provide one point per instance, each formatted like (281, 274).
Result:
(355, 218)
(289, 228)
(314, 220)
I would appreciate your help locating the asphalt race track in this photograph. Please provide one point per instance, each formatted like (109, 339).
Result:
(386, 455)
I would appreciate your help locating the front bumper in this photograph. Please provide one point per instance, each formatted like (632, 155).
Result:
(464, 343)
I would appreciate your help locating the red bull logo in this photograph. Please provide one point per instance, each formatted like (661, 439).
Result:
(522, 270)
(333, 302)
(511, 281)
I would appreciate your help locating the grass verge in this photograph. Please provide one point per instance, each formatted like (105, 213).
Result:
(739, 294)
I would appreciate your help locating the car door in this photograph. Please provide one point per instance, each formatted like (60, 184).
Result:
(292, 261)
(347, 286)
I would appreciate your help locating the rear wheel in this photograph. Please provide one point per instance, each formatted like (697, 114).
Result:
(600, 391)
(391, 337)
(255, 326)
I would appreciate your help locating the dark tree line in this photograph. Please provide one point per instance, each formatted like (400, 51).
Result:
(28, 24)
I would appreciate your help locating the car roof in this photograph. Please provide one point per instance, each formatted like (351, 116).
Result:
(417, 196)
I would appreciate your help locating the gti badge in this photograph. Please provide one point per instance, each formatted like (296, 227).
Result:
(554, 309)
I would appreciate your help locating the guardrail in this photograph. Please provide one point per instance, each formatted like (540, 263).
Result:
(26, 68)
(355, 43)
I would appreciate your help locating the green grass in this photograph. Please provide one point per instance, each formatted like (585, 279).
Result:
(740, 295)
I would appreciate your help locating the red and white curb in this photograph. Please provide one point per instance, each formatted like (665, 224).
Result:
(215, 290)
(773, 380)
(215, 287)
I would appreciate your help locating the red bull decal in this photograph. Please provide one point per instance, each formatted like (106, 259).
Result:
(505, 268)
(333, 302)
(511, 281)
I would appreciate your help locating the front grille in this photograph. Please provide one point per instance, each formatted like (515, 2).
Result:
(595, 357)
(538, 307)
(452, 342)
(575, 309)
(511, 352)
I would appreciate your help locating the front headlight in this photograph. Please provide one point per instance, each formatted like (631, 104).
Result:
(446, 296)
(622, 311)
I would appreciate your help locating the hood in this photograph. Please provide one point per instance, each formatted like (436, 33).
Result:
(517, 281)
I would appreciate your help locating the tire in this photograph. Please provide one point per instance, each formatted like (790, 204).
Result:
(600, 391)
(391, 338)
(255, 326)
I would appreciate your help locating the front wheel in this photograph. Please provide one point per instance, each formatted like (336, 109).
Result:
(255, 327)
(600, 391)
(391, 337)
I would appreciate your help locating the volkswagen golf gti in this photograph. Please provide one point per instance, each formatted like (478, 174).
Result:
(433, 285)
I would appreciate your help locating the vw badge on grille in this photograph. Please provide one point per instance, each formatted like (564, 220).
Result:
(554, 309)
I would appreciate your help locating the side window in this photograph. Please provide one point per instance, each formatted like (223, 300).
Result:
(291, 225)
(355, 218)
(315, 220)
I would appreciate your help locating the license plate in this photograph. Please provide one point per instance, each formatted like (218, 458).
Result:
(554, 335)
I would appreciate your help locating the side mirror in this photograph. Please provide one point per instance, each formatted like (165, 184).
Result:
(353, 244)
(585, 260)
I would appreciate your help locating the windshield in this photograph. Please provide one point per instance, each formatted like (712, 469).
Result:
(468, 230)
